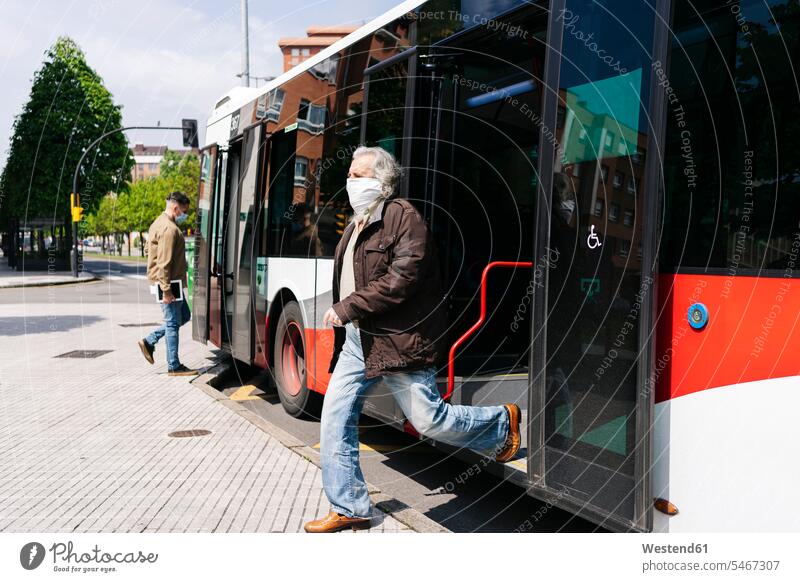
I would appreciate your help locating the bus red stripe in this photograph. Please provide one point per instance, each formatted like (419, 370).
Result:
(752, 332)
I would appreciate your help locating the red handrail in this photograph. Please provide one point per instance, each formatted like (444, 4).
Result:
(451, 375)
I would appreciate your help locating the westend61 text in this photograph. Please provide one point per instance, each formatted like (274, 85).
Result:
(675, 549)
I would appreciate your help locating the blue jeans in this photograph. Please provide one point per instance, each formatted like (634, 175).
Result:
(175, 315)
(482, 428)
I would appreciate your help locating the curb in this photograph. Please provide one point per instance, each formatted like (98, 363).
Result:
(91, 277)
(406, 515)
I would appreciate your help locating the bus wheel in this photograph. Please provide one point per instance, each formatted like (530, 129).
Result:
(289, 357)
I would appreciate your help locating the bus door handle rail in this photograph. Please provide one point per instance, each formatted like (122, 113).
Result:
(451, 376)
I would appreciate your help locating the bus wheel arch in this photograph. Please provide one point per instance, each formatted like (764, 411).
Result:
(282, 297)
(287, 357)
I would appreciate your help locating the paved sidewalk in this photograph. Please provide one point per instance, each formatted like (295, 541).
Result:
(9, 278)
(84, 442)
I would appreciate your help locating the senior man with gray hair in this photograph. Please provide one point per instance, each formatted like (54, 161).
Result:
(388, 316)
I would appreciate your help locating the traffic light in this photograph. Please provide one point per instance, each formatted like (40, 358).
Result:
(189, 133)
(75, 208)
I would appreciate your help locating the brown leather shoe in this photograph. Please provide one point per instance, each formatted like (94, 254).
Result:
(337, 522)
(182, 371)
(513, 439)
(147, 350)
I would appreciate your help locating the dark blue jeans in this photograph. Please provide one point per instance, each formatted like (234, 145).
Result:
(175, 315)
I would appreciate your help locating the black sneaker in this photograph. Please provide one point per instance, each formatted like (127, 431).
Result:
(182, 371)
(147, 350)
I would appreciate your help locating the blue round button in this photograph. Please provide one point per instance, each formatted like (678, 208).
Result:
(698, 316)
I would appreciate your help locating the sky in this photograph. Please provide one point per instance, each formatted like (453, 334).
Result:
(162, 60)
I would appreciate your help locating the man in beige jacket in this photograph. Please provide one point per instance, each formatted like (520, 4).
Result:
(166, 262)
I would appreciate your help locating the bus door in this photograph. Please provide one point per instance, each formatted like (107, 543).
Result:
(483, 185)
(232, 246)
(223, 247)
(259, 254)
(202, 248)
(590, 438)
(242, 235)
(475, 146)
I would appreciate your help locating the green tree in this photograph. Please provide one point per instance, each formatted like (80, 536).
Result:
(141, 204)
(181, 172)
(90, 225)
(104, 219)
(135, 209)
(68, 108)
(105, 222)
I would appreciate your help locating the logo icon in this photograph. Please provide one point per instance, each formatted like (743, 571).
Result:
(31, 555)
(593, 241)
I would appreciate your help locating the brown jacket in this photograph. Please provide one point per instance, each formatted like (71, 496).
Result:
(166, 252)
(398, 300)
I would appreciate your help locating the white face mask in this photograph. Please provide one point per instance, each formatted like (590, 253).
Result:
(362, 191)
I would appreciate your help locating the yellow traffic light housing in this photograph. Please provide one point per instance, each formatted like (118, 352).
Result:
(341, 222)
(75, 207)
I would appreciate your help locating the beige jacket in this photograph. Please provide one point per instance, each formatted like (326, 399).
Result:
(166, 252)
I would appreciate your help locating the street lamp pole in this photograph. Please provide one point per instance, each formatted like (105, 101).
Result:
(245, 46)
(75, 201)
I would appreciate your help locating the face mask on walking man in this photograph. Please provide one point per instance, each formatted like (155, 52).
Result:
(166, 265)
(388, 323)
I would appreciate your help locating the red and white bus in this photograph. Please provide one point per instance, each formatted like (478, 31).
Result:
(614, 191)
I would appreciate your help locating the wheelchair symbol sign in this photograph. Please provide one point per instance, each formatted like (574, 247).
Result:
(593, 241)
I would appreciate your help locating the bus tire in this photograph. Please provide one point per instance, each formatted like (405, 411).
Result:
(290, 366)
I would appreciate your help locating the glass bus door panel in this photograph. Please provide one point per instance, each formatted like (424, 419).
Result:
(242, 318)
(223, 249)
(229, 252)
(202, 244)
(474, 154)
(260, 340)
(227, 275)
(596, 290)
(218, 211)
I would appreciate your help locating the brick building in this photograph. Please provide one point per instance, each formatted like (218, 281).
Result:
(147, 160)
(298, 49)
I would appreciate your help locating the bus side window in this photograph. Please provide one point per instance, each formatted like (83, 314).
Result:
(341, 138)
(731, 201)
(281, 208)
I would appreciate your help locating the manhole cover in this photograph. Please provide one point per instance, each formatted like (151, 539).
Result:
(139, 324)
(195, 432)
(84, 354)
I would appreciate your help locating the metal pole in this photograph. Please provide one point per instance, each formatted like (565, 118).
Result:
(245, 47)
(74, 252)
